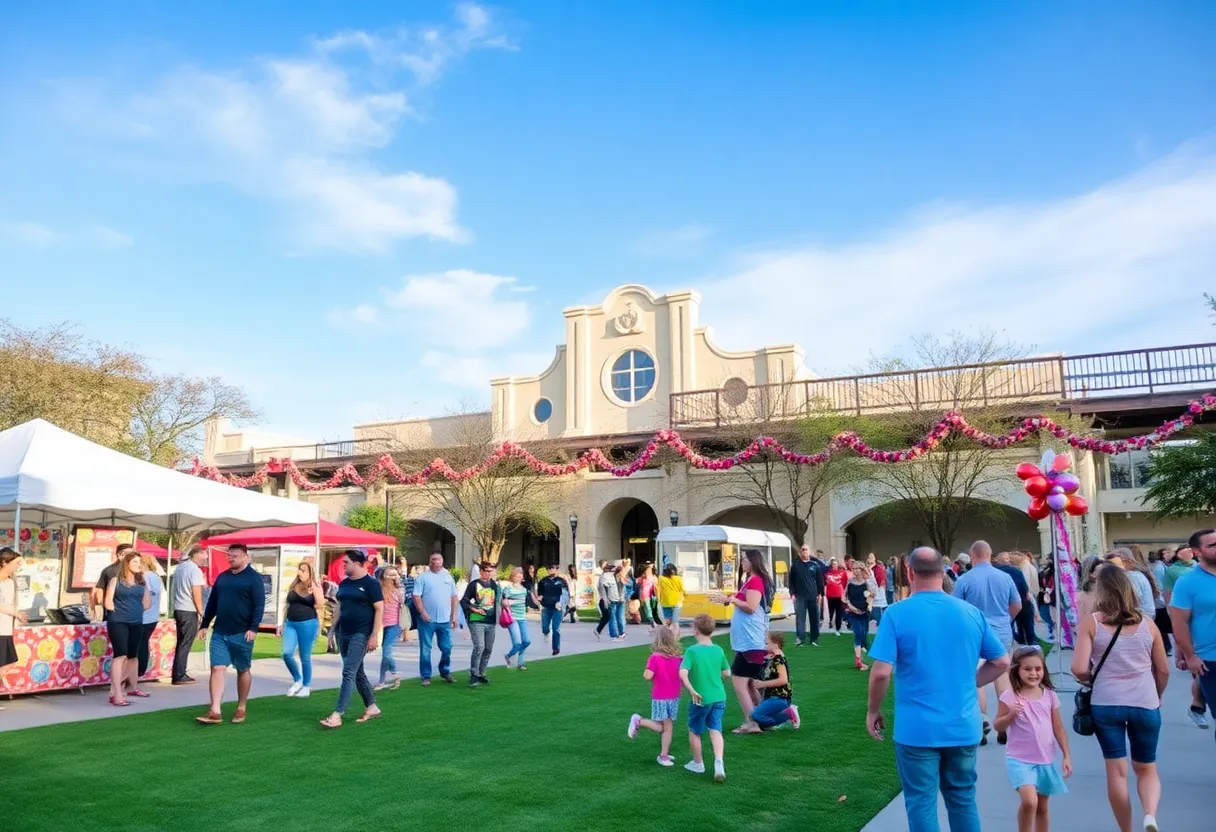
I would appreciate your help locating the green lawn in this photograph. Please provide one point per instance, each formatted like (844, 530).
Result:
(539, 750)
(268, 646)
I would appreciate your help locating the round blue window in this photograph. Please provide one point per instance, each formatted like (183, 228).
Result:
(542, 410)
(632, 376)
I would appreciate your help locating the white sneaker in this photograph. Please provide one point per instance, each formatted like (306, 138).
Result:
(694, 767)
(795, 719)
(665, 762)
(303, 693)
(295, 688)
(1150, 823)
(719, 771)
(633, 726)
(1199, 718)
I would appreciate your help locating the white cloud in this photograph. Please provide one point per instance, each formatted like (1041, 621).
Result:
(474, 372)
(35, 235)
(685, 241)
(361, 316)
(301, 130)
(1123, 265)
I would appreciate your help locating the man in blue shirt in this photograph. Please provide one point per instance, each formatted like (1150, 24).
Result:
(1193, 614)
(994, 594)
(435, 600)
(236, 604)
(933, 643)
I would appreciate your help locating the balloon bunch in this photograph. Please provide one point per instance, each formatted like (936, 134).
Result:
(1052, 487)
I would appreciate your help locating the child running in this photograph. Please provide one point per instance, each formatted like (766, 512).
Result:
(702, 671)
(1030, 713)
(777, 707)
(663, 672)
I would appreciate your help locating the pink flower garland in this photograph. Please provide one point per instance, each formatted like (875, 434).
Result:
(951, 422)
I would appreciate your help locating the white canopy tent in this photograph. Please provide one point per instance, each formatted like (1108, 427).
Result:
(53, 476)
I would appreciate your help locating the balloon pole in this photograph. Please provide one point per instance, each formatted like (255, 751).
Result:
(1062, 676)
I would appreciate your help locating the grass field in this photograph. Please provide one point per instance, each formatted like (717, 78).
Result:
(268, 646)
(539, 750)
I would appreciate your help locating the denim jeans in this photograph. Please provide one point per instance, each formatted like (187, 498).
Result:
(806, 609)
(1115, 726)
(482, 634)
(388, 663)
(616, 627)
(301, 635)
(443, 634)
(771, 712)
(925, 771)
(1207, 686)
(1045, 614)
(876, 614)
(519, 639)
(551, 619)
(860, 625)
(354, 650)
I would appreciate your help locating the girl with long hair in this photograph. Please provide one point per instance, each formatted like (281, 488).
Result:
(648, 597)
(748, 628)
(156, 588)
(859, 597)
(394, 597)
(1120, 654)
(572, 602)
(299, 627)
(126, 599)
(663, 673)
(517, 596)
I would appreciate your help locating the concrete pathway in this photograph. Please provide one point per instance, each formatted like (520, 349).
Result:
(270, 678)
(1185, 756)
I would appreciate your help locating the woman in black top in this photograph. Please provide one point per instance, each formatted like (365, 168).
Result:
(299, 627)
(360, 618)
(857, 596)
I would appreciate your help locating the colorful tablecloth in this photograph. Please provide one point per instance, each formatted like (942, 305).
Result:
(66, 656)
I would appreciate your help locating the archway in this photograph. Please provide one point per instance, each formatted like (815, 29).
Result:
(425, 538)
(627, 528)
(525, 548)
(893, 529)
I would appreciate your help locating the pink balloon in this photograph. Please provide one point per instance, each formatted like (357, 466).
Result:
(1068, 482)
(1062, 463)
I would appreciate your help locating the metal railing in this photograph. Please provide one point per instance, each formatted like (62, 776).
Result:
(1052, 378)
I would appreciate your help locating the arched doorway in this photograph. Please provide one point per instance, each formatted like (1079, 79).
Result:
(893, 529)
(529, 547)
(425, 538)
(627, 528)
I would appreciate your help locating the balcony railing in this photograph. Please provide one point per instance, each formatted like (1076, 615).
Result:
(966, 385)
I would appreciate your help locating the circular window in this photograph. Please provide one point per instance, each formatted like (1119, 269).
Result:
(632, 376)
(734, 392)
(542, 410)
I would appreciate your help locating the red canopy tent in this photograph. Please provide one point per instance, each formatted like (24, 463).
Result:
(146, 547)
(332, 536)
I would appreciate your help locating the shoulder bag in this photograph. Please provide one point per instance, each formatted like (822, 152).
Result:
(1083, 715)
(505, 619)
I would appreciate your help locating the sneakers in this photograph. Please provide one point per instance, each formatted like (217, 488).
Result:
(719, 772)
(632, 732)
(509, 659)
(1001, 738)
(665, 762)
(474, 681)
(557, 652)
(814, 644)
(838, 634)
(798, 643)
(987, 730)
(795, 719)
(447, 677)
(1198, 718)
(1150, 823)
(303, 693)
(694, 767)
(483, 680)
(295, 688)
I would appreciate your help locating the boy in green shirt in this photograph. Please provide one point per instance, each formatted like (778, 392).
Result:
(702, 671)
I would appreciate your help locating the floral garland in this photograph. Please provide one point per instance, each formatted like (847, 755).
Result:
(951, 422)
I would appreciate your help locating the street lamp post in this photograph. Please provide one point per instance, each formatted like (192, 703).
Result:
(574, 539)
(674, 517)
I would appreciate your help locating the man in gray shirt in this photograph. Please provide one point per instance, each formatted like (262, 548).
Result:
(435, 600)
(994, 594)
(188, 584)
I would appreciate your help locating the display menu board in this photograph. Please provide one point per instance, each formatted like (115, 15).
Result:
(585, 569)
(93, 549)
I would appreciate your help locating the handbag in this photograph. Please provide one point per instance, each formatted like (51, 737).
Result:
(1083, 715)
(505, 619)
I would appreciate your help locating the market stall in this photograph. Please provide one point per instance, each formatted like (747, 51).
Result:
(276, 553)
(66, 504)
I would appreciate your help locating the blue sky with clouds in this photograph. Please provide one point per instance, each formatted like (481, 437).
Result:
(367, 210)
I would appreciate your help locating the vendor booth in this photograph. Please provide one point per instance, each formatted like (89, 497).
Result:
(276, 553)
(66, 504)
(708, 560)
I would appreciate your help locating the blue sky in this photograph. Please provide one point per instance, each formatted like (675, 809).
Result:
(299, 196)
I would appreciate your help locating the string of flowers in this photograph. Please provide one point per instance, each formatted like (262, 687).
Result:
(952, 422)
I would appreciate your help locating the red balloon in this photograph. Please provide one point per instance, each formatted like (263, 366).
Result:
(1037, 486)
(1038, 509)
(1061, 463)
(1076, 506)
(1027, 470)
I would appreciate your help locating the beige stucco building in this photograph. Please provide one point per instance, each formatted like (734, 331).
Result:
(613, 383)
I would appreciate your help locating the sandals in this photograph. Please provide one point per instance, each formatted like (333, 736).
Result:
(239, 716)
(138, 694)
(209, 719)
(369, 714)
(119, 703)
(332, 721)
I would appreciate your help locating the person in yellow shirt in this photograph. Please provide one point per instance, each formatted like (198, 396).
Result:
(671, 597)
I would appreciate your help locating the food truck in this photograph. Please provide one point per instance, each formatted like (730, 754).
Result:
(708, 560)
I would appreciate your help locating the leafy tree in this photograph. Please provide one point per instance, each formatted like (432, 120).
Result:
(1183, 479)
(370, 518)
(167, 423)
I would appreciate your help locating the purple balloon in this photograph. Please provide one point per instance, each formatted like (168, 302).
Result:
(1057, 502)
(1056, 489)
(1068, 482)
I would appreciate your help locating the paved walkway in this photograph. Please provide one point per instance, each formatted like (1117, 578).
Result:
(270, 678)
(1185, 759)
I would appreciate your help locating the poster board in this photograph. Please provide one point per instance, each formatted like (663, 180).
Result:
(93, 549)
(38, 579)
(585, 569)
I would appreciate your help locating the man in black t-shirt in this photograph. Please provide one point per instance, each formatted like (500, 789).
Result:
(359, 617)
(804, 592)
(552, 589)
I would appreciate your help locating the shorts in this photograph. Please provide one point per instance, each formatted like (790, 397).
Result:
(1117, 725)
(125, 638)
(8, 651)
(231, 651)
(1045, 777)
(661, 709)
(702, 718)
(743, 668)
(671, 614)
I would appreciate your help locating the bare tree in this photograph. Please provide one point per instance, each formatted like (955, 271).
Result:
(492, 505)
(167, 423)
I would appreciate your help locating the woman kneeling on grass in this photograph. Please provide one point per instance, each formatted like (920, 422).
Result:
(777, 707)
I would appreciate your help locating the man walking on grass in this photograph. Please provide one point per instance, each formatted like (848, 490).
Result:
(236, 605)
(481, 604)
(933, 643)
(188, 582)
(805, 592)
(435, 599)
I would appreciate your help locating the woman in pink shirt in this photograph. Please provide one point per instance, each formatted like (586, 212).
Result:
(390, 585)
(648, 596)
